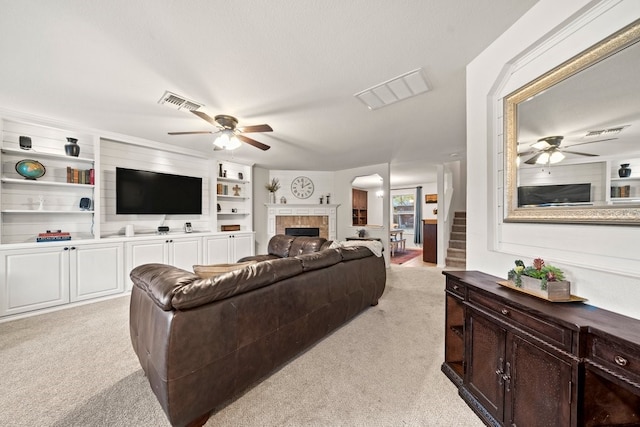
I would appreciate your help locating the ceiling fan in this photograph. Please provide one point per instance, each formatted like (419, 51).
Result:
(230, 134)
(548, 150)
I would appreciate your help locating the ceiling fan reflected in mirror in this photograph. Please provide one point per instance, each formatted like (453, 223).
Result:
(229, 134)
(548, 150)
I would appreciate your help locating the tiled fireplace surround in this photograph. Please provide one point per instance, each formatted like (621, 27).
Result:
(323, 217)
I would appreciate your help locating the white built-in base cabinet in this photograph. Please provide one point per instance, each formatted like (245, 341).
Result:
(37, 278)
(182, 252)
(54, 274)
(228, 248)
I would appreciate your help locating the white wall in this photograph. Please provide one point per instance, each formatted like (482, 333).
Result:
(602, 262)
(342, 181)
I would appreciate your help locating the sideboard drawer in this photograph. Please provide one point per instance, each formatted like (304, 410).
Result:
(552, 332)
(456, 287)
(614, 356)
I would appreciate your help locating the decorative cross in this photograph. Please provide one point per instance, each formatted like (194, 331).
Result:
(236, 190)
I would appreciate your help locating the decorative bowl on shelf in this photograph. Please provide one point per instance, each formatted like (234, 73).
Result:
(30, 169)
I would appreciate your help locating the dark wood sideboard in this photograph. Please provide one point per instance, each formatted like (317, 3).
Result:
(518, 360)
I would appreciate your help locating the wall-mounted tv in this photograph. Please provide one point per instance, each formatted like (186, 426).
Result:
(145, 192)
(538, 195)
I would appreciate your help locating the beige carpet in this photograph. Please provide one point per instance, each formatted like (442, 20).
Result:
(75, 367)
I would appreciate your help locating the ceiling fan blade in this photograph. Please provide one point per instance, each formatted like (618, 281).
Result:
(205, 117)
(532, 161)
(580, 154)
(253, 142)
(256, 128)
(190, 133)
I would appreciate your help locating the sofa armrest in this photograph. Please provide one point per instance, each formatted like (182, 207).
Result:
(161, 282)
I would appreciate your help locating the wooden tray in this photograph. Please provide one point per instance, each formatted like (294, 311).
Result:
(572, 298)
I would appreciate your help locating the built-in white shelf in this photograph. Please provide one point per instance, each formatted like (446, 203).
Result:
(228, 197)
(44, 211)
(45, 183)
(31, 153)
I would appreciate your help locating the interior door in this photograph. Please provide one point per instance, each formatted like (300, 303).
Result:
(486, 363)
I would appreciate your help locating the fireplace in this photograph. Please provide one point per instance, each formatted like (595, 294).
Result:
(302, 231)
(320, 218)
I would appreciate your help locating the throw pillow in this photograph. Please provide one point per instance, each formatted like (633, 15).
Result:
(213, 270)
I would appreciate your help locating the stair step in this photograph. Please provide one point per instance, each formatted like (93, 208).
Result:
(460, 214)
(459, 228)
(458, 244)
(460, 221)
(458, 236)
(455, 263)
(457, 253)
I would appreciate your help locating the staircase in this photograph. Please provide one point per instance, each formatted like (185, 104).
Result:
(457, 251)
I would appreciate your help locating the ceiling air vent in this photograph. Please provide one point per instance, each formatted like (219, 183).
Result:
(605, 132)
(178, 101)
(398, 88)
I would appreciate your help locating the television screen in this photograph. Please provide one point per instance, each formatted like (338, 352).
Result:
(554, 194)
(145, 192)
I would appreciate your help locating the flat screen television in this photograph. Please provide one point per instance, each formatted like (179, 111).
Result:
(145, 192)
(554, 194)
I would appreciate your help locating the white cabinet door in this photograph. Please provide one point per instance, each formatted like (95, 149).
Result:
(185, 252)
(217, 249)
(34, 278)
(228, 248)
(144, 252)
(98, 270)
(242, 246)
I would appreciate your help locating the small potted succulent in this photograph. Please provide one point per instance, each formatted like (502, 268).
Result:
(540, 279)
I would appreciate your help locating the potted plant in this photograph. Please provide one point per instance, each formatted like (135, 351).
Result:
(273, 186)
(540, 279)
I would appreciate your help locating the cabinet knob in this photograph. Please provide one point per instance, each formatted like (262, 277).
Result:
(620, 360)
(504, 311)
(66, 248)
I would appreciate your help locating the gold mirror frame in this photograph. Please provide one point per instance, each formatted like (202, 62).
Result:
(553, 214)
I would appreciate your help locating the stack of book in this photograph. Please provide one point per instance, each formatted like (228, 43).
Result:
(53, 236)
(622, 191)
(80, 176)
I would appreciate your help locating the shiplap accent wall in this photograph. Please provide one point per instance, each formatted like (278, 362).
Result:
(116, 153)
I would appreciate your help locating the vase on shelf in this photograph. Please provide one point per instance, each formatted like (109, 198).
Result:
(624, 171)
(272, 197)
(72, 148)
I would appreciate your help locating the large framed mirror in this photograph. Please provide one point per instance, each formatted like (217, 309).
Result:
(572, 139)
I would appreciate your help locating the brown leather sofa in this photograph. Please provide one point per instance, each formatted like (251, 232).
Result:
(201, 342)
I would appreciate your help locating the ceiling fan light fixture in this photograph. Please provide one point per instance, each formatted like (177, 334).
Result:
(227, 140)
(543, 159)
(556, 157)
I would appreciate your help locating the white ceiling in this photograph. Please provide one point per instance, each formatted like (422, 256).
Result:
(292, 64)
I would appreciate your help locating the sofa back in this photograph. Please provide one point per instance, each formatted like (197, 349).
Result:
(284, 246)
(172, 288)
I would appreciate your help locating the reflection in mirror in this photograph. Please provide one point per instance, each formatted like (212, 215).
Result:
(569, 132)
(366, 200)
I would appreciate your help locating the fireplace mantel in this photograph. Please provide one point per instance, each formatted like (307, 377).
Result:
(296, 209)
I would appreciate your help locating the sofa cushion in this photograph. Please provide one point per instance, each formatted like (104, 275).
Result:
(279, 245)
(321, 259)
(203, 291)
(354, 252)
(207, 271)
(305, 245)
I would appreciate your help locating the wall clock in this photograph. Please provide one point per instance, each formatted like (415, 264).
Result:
(302, 187)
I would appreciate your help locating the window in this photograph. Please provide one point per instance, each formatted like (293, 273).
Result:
(403, 211)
